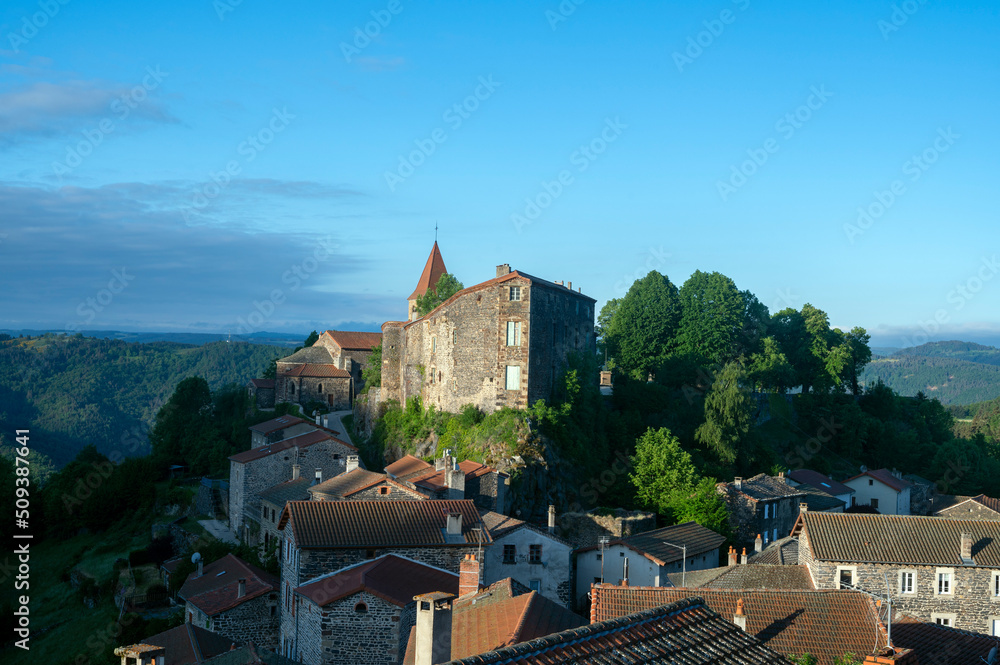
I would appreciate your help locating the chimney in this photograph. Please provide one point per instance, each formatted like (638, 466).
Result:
(353, 461)
(738, 482)
(242, 588)
(296, 469)
(552, 519)
(318, 420)
(443, 462)
(503, 269)
(803, 507)
(454, 480)
(732, 556)
(743, 557)
(318, 477)
(559, 282)
(625, 572)
(433, 628)
(781, 476)
(468, 575)
(569, 285)
(740, 619)
(966, 550)
(758, 544)
(454, 524)
(201, 565)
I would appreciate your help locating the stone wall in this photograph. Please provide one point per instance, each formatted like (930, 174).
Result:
(256, 620)
(586, 529)
(316, 562)
(553, 573)
(746, 517)
(247, 479)
(563, 321)
(339, 633)
(262, 397)
(335, 392)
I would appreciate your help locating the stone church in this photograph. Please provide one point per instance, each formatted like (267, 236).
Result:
(329, 371)
(499, 343)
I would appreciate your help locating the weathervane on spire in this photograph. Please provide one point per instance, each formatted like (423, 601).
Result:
(435, 231)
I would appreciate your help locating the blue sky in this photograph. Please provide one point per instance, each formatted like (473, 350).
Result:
(184, 166)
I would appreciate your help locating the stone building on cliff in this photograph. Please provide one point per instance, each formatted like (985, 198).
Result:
(499, 343)
(329, 371)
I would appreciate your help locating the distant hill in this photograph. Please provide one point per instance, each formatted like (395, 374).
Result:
(70, 391)
(953, 372)
(267, 338)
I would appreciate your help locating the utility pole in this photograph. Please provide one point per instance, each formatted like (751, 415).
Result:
(684, 555)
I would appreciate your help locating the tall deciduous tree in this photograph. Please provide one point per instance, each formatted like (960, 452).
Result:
(601, 328)
(861, 354)
(662, 470)
(447, 286)
(770, 369)
(712, 313)
(729, 417)
(641, 334)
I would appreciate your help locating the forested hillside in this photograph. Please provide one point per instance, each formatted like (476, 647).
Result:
(72, 391)
(951, 372)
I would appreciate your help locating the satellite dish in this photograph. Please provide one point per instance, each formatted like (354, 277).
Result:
(196, 557)
(992, 658)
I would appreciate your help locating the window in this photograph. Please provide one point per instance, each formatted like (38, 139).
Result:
(361, 608)
(513, 377)
(907, 581)
(943, 619)
(383, 490)
(515, 293)
(944, 585)
(874, 504)
(292, 387)
(870, 482)
(535, 585)
(775, 536)
(509, 553)
(454, 336)
(513, 333)
(767, 507)
(995, 586)
(319, 388)
(434, 344)
(846, 577)
(534, 553)
(369, 554)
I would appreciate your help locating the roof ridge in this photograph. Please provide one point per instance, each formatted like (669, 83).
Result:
(529, 602)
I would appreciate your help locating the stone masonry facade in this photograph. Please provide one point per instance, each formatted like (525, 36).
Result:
(498, 344)
(256, 619)
(970, 510)
(361, 628)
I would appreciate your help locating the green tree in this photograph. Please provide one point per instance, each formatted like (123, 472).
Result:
(372, 372)
(860, 355)
(642, 332)
(186, 415)
(756, 321)
(446, 287)
(703, 505)
(312, 339)
(601, 328)
(728, 417)
(712, 317)
(662, 471)
(770, 369)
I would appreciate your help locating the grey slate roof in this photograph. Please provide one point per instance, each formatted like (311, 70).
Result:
(763, 487)
(653, 544)
(782, 552)
(290, 490)
(310, 355)
(819, 500)
(748, 577)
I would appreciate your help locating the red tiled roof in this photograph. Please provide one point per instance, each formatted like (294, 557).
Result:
(216, 589)
(188, 644)
(307, 369)
(819, 481)
(500, 525)
(940, 644)
(683, 632)
(347, 524)
(393, 578)
(351, 340)
(406, 466)
(757, 576)
(825, 623)
(262, 383)
(432, 272)
(348, 484)
(885, 477)
(300, 441)
(276, 424)
(890, 539)
(433, 480)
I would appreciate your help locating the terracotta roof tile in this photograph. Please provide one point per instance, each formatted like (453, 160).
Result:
(433, 269)
(301, 441)
(885, 477)
(825, 623)
(906, 539)
(317, 370)
(188, 644)
(407, 465)
(216, 590)
(351, 340)
(275, 424)
(394, 578)
(262, 383)
(683, 632)
(940, 644)
(345, 524)
(819, 481)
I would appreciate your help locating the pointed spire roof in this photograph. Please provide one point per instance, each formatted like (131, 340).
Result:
(433, 270)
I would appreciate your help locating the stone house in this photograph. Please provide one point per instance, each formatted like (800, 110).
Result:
(363, 485)
(186, 644)
(761, 505)
(278, 429)
(258, 469)
(499, 343)
(646, 558)
(940, 570)
(321, 537)
(449, 479)
(979, 507)
(533, 556)
(329, 371)
(272, 503)
(362, 614)
(503, 614)
(234, 599)
(261, 392)
(884, 490)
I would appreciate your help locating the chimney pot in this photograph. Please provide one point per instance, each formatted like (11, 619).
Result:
(552, 518)
(503, 269)
(738, 482)
(758, 544)
(569, 285)
(353, 462)
(740, 619)
(468, 575)
(242, 589)
(732, 556)
(743, 557)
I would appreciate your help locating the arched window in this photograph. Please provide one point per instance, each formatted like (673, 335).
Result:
(319, 388)
(292, 387)
(361, 608)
